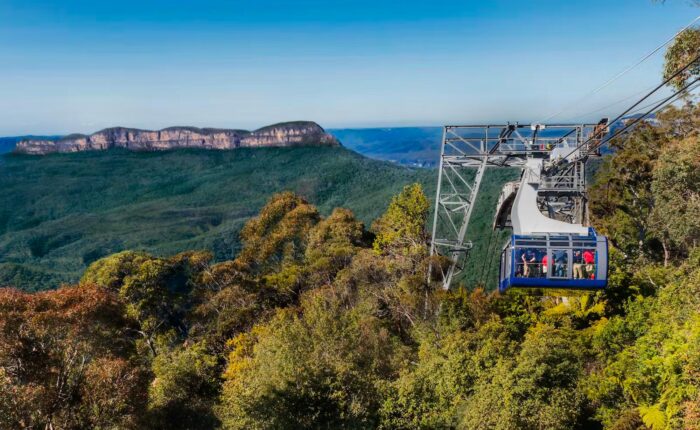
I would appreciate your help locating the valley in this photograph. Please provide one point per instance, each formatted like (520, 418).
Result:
(60, 212)
(411, 146)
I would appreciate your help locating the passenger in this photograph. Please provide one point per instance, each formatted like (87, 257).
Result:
(520, 267)
(578, 265)
(589, 259)
(600, 130)
(544, 265)
(527, 257)
(560, 259)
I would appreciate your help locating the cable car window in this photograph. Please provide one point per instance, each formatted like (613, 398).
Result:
(585, 263)
(504, 268)
(560, 261)
(525, 263)
(522, 242)
(559, 243)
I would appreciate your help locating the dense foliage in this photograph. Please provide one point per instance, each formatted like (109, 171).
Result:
(61, 212)
(646, 196)
(681, 52)
(321, 323)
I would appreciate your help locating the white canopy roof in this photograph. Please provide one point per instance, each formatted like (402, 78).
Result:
(526, 216)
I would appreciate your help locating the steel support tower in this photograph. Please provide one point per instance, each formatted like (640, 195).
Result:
(467, 151)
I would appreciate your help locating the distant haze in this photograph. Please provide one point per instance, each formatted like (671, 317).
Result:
(412, 146)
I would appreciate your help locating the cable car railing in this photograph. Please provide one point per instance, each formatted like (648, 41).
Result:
(554, 261)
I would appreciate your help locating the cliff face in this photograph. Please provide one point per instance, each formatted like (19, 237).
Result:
(284, 134)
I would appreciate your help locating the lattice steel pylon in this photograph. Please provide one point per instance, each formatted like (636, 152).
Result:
(467, 151)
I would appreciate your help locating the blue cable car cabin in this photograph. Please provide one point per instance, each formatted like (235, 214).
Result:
(561, 260)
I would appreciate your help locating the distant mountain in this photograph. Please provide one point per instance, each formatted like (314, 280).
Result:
(283, 134)
(413, 146)
(410, 146)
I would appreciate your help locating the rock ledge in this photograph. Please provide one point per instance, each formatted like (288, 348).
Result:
(298, 133)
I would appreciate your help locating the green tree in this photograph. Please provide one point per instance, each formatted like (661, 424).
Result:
(320, 368)
(645, 195)
(402, 227)
(401, 248)
(184, 389)
(156, 291)
(333, 243)
(676, 189)
(228, 301)
(278, 235)
(432, 393)
(535, 389)
(683, 50)
(621, 199)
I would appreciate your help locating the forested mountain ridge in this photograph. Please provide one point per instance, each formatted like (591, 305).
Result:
(60, 212)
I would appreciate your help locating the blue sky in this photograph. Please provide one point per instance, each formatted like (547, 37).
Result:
(79, 66)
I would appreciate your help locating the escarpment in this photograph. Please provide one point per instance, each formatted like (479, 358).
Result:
(298, 133)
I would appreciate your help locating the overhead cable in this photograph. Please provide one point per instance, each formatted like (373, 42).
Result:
(619, 75)
(638, 102)
(692, 87)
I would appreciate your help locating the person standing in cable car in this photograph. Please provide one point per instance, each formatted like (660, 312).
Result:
(527, 258)
(560, 262)
(589, 260)
(578, 265)
(545, 260)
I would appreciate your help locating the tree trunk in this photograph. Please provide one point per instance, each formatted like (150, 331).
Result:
(425, 304)
(667, 252)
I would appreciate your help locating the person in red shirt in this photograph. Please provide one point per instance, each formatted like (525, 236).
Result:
(589, 260)
(544, 265)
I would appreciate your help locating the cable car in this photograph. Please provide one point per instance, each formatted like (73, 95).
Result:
(551, 246)
(548, 253)
(568, 261)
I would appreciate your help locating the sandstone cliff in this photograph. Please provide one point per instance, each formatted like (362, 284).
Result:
(283, 134)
